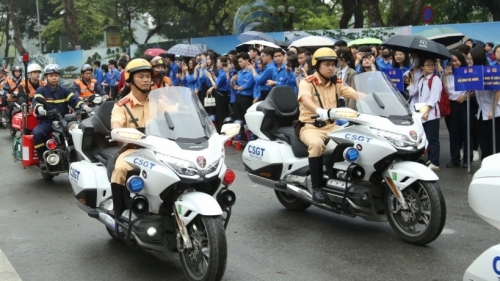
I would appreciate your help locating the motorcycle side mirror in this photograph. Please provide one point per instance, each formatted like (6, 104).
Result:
(91, 98)
(41, 100)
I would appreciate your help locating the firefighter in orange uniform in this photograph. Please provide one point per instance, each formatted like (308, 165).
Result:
(86, 86)
(160, 77)
(3, 77)
(34, 82)
(11, 89)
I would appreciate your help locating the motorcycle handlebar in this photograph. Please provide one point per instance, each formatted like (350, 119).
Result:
(316, 116)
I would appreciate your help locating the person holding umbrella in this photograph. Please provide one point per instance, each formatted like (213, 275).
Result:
(426, 92)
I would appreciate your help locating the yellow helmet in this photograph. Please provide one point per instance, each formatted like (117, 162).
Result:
(136, 65)
(323, 54)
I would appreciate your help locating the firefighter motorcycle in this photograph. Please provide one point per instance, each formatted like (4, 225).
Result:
(60, 151)
(369, 167)
(180, 201)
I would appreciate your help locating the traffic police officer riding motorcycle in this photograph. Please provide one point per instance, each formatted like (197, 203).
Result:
(86, 86)
(58, 97)
(132, 111)
(317, 94)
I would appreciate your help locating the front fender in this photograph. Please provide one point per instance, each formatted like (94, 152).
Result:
(191, 204)
(404, 173)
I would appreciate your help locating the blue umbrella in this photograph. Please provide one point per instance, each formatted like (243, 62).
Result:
(185, 50)
(254, 35)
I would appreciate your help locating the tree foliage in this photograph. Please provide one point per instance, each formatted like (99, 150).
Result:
(83, 20)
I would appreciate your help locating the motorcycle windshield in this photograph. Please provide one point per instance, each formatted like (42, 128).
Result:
(382, 98)
(176, 113)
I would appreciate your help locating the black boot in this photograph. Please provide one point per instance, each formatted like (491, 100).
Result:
(118, 201)
(41, 160)
(316, 170)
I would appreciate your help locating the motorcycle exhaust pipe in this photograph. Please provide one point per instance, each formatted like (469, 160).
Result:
(306, 196)
(108, 221)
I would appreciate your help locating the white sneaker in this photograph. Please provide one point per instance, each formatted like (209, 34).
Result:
(475, 156)
(434, 167)
(461, 154)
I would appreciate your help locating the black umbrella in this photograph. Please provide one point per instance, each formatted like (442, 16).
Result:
(413, 43)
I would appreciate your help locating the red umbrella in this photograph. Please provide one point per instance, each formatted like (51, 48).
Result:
(154, 52)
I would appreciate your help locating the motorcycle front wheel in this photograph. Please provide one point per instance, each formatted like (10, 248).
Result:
(425, 217)
(207, 259)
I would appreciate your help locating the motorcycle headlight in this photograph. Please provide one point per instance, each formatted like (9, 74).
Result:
(72, 126)
(180, 166)
(397, 140)
(187, 168)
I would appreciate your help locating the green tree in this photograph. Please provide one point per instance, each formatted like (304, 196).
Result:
(90, 21)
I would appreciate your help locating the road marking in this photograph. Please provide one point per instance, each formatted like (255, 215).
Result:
(7, 272)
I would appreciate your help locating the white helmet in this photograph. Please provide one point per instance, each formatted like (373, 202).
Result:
(34, 67)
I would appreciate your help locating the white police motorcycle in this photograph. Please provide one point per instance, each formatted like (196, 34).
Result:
(179, 203)
(370, 167)
(484, 191)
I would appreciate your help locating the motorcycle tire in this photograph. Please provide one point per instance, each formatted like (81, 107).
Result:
(209, 237)
(426, 207)
(47, 176)
(291, 202)
(12, 131)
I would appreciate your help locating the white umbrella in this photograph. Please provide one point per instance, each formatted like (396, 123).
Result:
(313, 41)
(241, 47)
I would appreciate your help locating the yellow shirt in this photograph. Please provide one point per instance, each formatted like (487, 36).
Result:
(327, 92)
(139, 111)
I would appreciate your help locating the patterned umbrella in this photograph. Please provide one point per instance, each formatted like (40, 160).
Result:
(254, 35)
(154, 52)
(185, 50)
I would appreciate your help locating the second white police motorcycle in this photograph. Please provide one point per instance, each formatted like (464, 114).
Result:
(484, 191)
(370, 167)
(179, 203)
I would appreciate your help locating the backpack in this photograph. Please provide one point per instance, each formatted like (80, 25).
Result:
(444, 100)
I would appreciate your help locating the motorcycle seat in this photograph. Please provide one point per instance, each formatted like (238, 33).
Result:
(280, 109)
(287, 134)
(96, 129)
(109, 155)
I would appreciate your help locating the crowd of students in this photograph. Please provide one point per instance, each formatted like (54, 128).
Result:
(239, 79)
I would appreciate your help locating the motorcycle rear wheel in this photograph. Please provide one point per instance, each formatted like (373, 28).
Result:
(208, 257)
(291, 202)
(425, 219)
(46, 176)
(12, 131)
